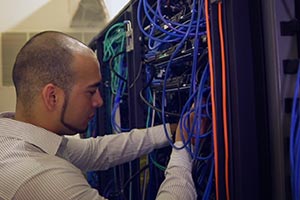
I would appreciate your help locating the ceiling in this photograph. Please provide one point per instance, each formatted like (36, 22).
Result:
(90, 13)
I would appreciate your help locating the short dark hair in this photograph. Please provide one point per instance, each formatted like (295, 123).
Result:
(46, 58)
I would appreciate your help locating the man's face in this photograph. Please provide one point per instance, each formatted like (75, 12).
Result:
(84, 98)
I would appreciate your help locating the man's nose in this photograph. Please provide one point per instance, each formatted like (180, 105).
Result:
(97, 101)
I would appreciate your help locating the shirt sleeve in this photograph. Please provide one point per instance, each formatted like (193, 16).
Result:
(57, 183)
(104, 152)
(178, 183)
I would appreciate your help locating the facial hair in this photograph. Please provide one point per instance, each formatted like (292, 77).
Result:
(62, 118)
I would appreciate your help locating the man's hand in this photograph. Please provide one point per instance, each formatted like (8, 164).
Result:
(173, 128)
(184, 124)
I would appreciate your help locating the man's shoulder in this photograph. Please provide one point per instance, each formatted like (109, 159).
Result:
(15, 152)
(23, 163)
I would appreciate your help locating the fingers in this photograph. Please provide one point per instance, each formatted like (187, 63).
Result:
(173, 128)
(186, 126)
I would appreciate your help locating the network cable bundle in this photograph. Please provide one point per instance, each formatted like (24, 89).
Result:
(218, 62)
(181, 80)
(155, 55)
(112, 50)
(178, 76)
(295, 142)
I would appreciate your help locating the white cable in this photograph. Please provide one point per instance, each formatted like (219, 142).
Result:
(153, 110)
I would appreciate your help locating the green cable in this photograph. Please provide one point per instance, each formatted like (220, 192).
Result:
(117, 35)
(114, 43)
(159, 166)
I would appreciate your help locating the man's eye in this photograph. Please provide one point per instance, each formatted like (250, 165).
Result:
(92, 92)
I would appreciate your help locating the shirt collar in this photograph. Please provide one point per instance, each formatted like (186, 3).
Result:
(40, 137)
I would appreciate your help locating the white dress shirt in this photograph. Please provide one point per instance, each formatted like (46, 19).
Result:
(38, 164)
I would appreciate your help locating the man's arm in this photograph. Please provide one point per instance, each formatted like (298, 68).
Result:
(104, 152)
(178, 183)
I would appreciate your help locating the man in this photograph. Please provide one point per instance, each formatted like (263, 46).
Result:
(56, 79)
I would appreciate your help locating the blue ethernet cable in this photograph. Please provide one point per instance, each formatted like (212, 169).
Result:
(295, 142)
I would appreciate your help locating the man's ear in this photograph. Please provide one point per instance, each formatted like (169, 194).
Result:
(50, 94)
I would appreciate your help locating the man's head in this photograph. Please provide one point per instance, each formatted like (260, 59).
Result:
(56, 79)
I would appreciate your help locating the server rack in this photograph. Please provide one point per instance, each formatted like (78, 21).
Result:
(261, 38)
(261, 44)
(281, 47)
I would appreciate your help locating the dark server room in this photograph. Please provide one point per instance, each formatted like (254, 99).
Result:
(182, 99)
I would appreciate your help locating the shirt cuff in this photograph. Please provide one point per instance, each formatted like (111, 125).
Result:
(158, 135)
(180, 158)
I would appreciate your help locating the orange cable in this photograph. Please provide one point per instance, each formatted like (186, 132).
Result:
(212, 99)
(224, 100)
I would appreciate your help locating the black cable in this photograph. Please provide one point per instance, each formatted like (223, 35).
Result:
(137, 76)
(202, 66)
(120, 76)
(134, 175)
(153, 107)
(111, 67)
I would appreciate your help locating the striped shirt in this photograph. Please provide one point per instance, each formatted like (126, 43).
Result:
(38, 164)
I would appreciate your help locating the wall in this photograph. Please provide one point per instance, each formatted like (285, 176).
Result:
(114, 7)
(33, 16)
